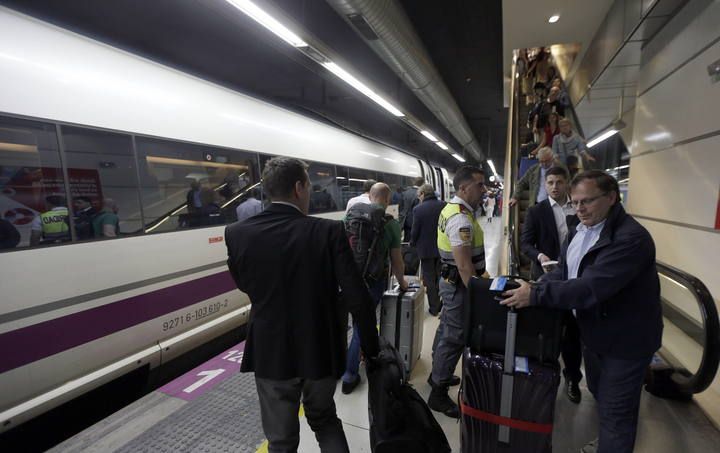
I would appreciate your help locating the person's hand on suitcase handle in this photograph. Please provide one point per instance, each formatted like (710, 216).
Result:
(517, 298)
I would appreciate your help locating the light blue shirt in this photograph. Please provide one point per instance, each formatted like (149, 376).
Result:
(542, 193)
(584, 239)
(248, 208)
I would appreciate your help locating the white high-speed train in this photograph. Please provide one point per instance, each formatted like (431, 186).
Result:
(81, 119)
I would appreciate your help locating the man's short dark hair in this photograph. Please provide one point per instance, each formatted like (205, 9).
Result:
(280, 175)
(604, 181)
(367, 185)
(465, 174)
(419, 181)
(557, 171)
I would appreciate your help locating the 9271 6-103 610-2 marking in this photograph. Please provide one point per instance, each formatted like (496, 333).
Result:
(194, 315)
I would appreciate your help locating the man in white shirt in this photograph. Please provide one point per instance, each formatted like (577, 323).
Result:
(363, 197)
(544, 232)
(250, 207)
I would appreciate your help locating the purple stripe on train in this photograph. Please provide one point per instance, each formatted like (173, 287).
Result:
(28, 344)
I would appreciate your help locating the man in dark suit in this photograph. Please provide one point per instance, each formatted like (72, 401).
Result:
(423, 237)
(405, 209)
(291, 265)
(607, 274)
(544, 231)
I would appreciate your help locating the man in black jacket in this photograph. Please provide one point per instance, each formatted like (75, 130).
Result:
(544, 231)
(291, 265)
(423, 237)
(405, 209)
(607, 274)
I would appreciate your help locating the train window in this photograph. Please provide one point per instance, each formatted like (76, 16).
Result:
(103, 183)
(33, 205)
(184, 185)
(325, 196)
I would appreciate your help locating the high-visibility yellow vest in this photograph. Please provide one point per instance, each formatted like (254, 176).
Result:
(55, 224)
(443, 241)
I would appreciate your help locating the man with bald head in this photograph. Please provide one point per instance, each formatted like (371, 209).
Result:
(389, 246)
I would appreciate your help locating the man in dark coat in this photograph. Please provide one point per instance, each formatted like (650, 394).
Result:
(607, 275)
(291, 265)
(423, 237)
(405, 209)
(544, 231)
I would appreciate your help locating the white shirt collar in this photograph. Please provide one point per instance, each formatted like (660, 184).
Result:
(553, 202)
(288, 204)
(597, 227)
(458, 200)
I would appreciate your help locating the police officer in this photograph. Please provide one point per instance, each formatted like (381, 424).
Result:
(460, 243)
(52, 225)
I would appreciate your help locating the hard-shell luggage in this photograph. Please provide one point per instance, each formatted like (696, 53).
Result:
(400, 420)
(401, 320)
(507, 400)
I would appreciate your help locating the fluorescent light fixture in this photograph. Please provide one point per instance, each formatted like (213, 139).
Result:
(361, 87)
(191, 163)
(18, 148)
(442, 145)
(492, 167)
(554, 18)
(357, 180)
(340, 177)
(458, 157)
(369, 154)
(602, 137)
(429, 136)
(492, 178)
(621, 167)
(269, 22)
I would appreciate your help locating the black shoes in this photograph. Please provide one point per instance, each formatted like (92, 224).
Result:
(573, 391)
(348, 387)
(455, 380)
(440, 401)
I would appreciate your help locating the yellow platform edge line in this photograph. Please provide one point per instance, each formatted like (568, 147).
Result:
(263, 448)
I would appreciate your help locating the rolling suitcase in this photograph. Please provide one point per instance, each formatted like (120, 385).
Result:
(507, 401)
(400, 420)
(401, 321)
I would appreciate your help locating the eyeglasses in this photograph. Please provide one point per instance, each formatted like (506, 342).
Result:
(587, 201)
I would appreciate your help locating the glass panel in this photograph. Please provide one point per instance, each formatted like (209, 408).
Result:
(683, 335)
(103, 183)
(33, 205)
(189, 186)
(325, 196)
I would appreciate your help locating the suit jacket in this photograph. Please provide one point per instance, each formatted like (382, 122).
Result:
(540, 235)
(423, 235)
(291, 265)
(405, 209)
(530, 182)
(617, 292)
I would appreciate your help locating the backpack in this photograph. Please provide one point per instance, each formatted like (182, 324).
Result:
(364, 225)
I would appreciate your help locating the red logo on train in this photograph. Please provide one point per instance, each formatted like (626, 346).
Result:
(19, 216)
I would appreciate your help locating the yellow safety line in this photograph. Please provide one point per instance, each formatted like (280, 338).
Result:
(263, 448)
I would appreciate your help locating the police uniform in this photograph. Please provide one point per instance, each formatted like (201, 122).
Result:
(457, 226)
(53, 224)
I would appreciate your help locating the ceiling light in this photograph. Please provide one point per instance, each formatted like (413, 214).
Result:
(192, 163)
(361, 87)
(602, 137)
(458, 157)
(442, 145)
(492, 167)
(269, 22)
(18, 148)
(554, 18)
(429, 136)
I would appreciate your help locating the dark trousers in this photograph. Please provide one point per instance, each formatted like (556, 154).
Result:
(616, 384)
(571, 348)
(431, 278)
(279, 406)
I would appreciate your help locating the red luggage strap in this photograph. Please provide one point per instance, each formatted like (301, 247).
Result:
(543, 428)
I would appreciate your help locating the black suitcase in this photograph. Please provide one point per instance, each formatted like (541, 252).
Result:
(508, 401)
(400, 420)
(411, 259)
(530, 421)
(538, 330)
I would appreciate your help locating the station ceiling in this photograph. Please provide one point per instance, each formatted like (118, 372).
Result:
(213, 40)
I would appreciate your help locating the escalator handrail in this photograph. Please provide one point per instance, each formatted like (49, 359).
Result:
(705, 374)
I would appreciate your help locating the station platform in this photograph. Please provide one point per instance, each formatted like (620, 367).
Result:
(214, 408)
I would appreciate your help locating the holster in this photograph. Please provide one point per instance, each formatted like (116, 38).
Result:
(450, 273)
